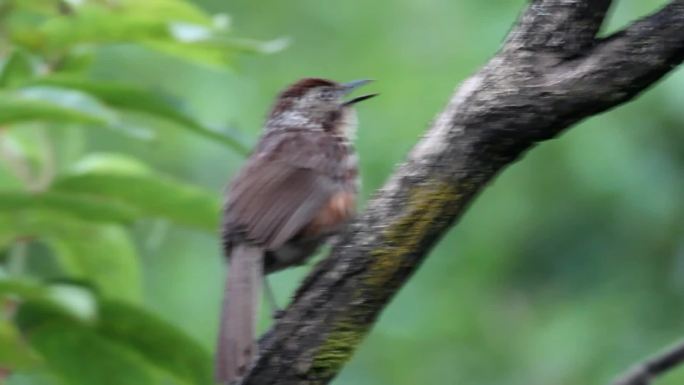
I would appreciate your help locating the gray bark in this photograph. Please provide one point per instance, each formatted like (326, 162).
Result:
(551, 72)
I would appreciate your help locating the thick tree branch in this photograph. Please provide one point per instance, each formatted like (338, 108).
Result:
(551, 73)
(644, 372)
(559, 26)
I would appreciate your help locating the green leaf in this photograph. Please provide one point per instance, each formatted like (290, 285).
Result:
(198, 52)
(96, 24)
(99, 253)
(155, 196)
(125, 338)
(175, 10)
(53, 105)
(78, 61)
(250, 45)
(151, 194)
(22, 288)
(173, 27)
(13, 110)
(16, 68)
(61, 104)
(80, 206)
(93, 23)
(79, 356)
(159, 342)
(133, 98)
(216, 51)
(64, 300)
(77, 301)
(110, 163)
(103, 254)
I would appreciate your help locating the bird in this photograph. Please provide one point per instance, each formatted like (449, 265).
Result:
(297, 189)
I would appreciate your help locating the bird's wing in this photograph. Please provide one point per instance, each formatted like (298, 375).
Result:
(279, 192)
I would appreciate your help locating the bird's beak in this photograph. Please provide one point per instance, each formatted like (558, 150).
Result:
(351, 86)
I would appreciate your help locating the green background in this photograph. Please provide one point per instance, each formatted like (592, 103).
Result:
(566, 270)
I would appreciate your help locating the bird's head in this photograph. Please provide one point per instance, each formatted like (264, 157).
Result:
(314, 101)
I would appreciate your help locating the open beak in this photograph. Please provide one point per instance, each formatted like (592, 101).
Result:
(351, 86)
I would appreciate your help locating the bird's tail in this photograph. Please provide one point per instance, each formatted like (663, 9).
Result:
(236, 341)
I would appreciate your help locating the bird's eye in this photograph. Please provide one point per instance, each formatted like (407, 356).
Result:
(327, 94)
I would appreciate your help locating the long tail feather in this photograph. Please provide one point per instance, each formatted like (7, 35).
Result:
(236, 342)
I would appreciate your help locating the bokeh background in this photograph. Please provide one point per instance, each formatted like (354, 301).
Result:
(566, 270)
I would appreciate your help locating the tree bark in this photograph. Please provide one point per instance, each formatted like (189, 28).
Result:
(551, 72)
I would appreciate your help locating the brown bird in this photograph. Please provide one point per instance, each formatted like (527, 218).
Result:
(297, 189)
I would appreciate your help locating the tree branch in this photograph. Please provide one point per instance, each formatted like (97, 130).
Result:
(551, 72)
(643, 373)
(563, 27)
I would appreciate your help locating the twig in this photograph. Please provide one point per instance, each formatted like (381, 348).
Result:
(4, 374)
(644, 372)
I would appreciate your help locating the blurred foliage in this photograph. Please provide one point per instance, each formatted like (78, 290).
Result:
(121, 121)
(71, 280)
